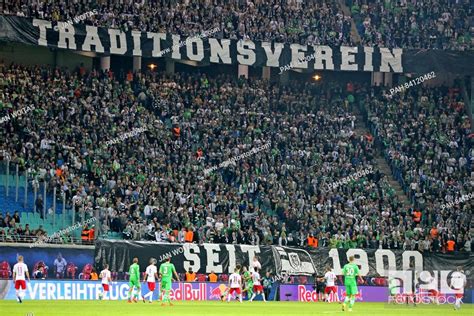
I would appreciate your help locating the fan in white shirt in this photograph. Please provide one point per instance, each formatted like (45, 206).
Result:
(20, 270)
(151, 274)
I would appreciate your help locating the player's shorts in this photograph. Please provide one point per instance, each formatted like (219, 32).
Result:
(433, 293)
(20, 284)
(320, 288)
(330, 289)
(234, 290)
(258, 288)
(106, 287)
(165, 285)
(135, 283)
(151, 286)
(351, 289)
(459, 295)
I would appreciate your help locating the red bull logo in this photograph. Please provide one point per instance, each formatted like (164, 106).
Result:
(218, 292)
(305, 295)
(185, 292)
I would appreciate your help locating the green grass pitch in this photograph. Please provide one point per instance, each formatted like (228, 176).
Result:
(112, 308)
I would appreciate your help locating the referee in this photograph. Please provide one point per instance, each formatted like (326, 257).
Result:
(319, 285)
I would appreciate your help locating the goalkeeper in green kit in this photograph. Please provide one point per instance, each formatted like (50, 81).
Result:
(350, 272)
(167, 270)
(247, 277)
(134, 282)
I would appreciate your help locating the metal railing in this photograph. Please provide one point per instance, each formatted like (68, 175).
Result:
(14, 179)
(35, 240)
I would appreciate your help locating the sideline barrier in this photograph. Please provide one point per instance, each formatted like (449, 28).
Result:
(89, 290)
(185, 291)
(306, 293)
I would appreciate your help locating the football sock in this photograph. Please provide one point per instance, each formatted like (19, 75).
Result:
(458, 302)
(166, 297)
(352, 301)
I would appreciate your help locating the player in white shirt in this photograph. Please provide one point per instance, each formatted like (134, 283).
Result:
(20, 270)
(256, 264)
(151, 274)
(106, 277)
(330, 278)
(433, 294)
(257, 286)
(458, 283)
(235, 285)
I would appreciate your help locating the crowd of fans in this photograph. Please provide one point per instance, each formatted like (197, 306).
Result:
(314, 22)
(426, 136)
(11, 229)
(437, 24)
(153, 186)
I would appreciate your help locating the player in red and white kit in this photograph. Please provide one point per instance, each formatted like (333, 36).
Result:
(257, 286)
(433, 293)
(458, 283)
(235, 285)
(106, 277)
(151, 275)
(330, 278)
(20, 270)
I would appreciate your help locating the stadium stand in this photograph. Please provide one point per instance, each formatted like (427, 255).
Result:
(199, 122)
(318, 22)
(446, 25)
(409, 24)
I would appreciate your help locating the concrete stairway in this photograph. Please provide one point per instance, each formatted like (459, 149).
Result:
(347, 11)
(380, 162)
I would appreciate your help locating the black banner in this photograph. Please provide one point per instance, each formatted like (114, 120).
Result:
(222, 258)
(205, 49)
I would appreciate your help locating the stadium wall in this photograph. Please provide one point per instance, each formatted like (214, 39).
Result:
(202, 258)
(185, 291)
(23, 54)
(222, 258)
(78, 255)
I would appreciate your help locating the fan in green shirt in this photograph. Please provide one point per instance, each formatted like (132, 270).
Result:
(350, 272)
(167, 270)
(134, 282)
